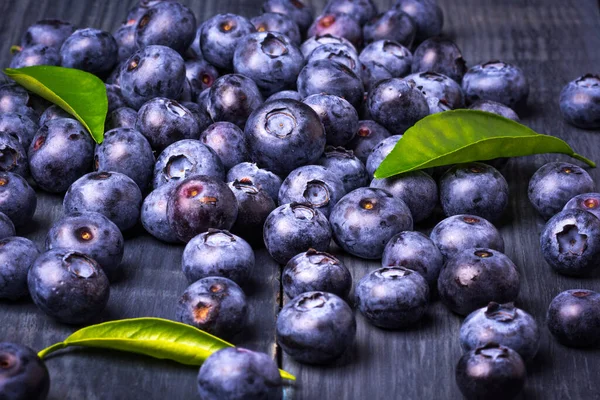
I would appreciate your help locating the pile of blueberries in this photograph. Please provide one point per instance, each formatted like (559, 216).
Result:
(241, 133)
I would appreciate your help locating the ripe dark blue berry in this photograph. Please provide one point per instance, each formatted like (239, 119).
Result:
(91, 50)
(574, 318)
(361, 10)
(23, 375)
(35, 55)
(17, 199)
(337, 24)
(19, 125)
(439, 55)
(123, 117)
(7, 228)
(276, 22)
(346, 166)
(339, 118)
(153, 214)
(342, 53)
(168, 23)
(496, 108)
(428, 16)
(47, 32)
(380, 152)
(13, 157)
(219, 36)
(16, 256)
(589, 202)
(312, 43)
(298, 10)
(394, 24)
(368, 136)
(227, 140)
(233, 98)
(579, 102)
(496, 81)
(384, 59)
(433, 84)
(262, 178)
(254, 206)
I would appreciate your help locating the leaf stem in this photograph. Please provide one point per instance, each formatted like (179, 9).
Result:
(61, 345)
(583, 159)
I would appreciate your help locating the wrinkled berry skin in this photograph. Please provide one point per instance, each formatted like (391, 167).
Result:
(168, 23)
(16, 256)
(127, 151)
(380, 152)
(218, 253)
(316, 328)
(254, 206)
(473, 277)
(326, 76)
(90, 50)
(397, 104)
(153, 214)
(47, 32)
(13, 157)
(24, 375)
(428, 16)
(503, 324)
(461, 232)
(283, 135)
(239, 374)
(17, 199)
(199, 203)
(314, 185)
(276, 22)
(579, 101)
(496, 81)
(227, 140)
(361, 10)
(291, 229)
(589, 202)
(569, 242)
(154, 71)
(574, 318)
(297, 10)
(233, 98)
(384, 59)
(432, 84)
(92, 234)
(392, 25)
(68, 286)
(219, 37)
(316, 271)
(342, 53)
(35, 55)
(262, 178)
(368, 136)
(346, 166)
(19, 125)
(7, 228)
(216, 305)
(112, 194)
(439, 55)
(392, 297)
(285, 94)
(364, 220)
(339, 118)
(312, 43)
(415, 251)
(59, 154)
(491, 372)
(337, 24)
(495, 108)
(123, 117)
(554, 184)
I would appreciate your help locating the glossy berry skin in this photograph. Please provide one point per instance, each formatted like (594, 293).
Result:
(439, 55)
(503, 324)
(261, 178)
(218, 253)
(342, 53)
(219, 37)
(461, 232)
(91, 50)
(298, 10)
(281, 23)
(291, 229)
(16, 256)
(397, 104)
(473, 277)
(168, 23)
(380, 152)
(153, 214)
(392, 297)
(339, 118)
(13, 157)
(7, 228)
(112, 194)
(368, 136)
(574, 318)
(364, 220)
(337, 24)
(233, 98)
(316, 271)
(384, 59)
(554, 184)
(316, 328)
(579, 102)
(123, 117)
(186, 158)
(491, 372)
(201, 75)
(199, 203)
(239, 374)
(313, 42)
(496, 81)
(216, 305)
(47, 32)
(415, 251)
(20, 126)
(35, 55)
(569, 242)
(92, 234)
(361, 10)
(283, 135)
(18, 200)
(589, 202)
(417, 189)
(326, 76)
(495, 108)
(427, 15)
(474, 188)
(346, 166)
(68, 286)
(227, 140)
(285, 94)
(254, 206)
(270, 59)
(394, 25)
(154, 71)
(24, 375)
(59, 154)
(432, 84)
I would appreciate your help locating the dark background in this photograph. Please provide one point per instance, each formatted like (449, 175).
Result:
(554, 41)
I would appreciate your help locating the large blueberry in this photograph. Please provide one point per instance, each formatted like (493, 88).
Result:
(35, 55)
(337, 24)
(579, 102)
(50, 113)
(47, 32)
(23, 375)
(219, 37)
(153, 214)
(13, 157)
(91, 50)
(427, 14)
(276, 22)
(17, 199)
(589, 202)
(227, 140)
(233, 98)
(439, 55)
(298, 10)
(433, 84)
(342, 53)
(361, 10)
(339, 117)
(346, 166)
(19, 125)
(262, 178)
(123, 117)
(394, 24)
(368, 136)
(254, 206)
(16, 256)
(574, 318)
(496, 81)
(384, 59)
(168, 23)
(380, 151)
(201, 75)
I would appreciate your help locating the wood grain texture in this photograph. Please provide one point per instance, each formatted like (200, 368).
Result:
(554, 41)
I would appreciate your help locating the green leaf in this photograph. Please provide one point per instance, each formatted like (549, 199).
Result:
(461, 136)
(79, 93)
(155, 337)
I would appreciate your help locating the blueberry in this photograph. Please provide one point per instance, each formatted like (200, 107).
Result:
(337, 24)
(216, 305)
(361, 10)
(281, 23)
(579, 102)
(497, 81)
(472, 278)
(339, 117)
(20, 126)
(461, 232)
(12, 154)
(392, 297)
(293, 228)
(297, 10)
(427, 14)
(168, 23)
(346, 166)
(380, 152)
(326, 76)
(285, 94)
(123, 117)
(219, 37)
(262, 178)
(368, 136)
(233, 98)
(153, 214)
(68, 286)
(283, 135)
(13, 98)
(186, 158)
(239, 374)
(199, 203)
(312, 43)
(201, 74)
(7, 228)
(433, 84)
(200, 113)
(47, 32)
(342, 53)
(227, 140)
(574, 318)
(16, 256)
(218, 253)
(92, 234)
(587, 201)
(154, 71)
(125, 38)
(17, 199)
(364, 220)
(554, 184)
(112, 194)
(496, 108)
(91, 50)
(36, 55)
(52, 112)
(23, 375)
(384, 59)
(439, 55)
(392, 25)
(254, 206)
(115, 97)
(491, 372)
(503, 324)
